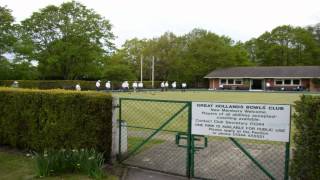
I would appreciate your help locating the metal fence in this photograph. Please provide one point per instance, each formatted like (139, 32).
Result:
(156, 135)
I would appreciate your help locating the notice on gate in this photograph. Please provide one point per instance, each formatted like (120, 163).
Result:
(250, 121)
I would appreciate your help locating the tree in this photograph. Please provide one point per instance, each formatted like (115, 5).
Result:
(17, 71)
(163, 49)
(117, 69)
(184, 58)
(23, 71)
(315, 30)
(5, 69)
(68, 41)
(284, 46)
(206, 51)
(7, 38)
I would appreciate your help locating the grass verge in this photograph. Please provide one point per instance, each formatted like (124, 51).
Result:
(16, 166)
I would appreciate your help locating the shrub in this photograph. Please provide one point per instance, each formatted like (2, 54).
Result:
(306, 154)
(55, 119)
(51, 84)
(55, 162)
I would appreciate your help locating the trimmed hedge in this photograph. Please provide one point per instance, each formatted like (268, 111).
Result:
(55, 119)
(306, 154)
(70, 84)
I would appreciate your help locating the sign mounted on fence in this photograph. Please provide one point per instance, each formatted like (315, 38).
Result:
(250, 121)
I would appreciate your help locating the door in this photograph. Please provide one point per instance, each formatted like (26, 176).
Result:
(257, 84)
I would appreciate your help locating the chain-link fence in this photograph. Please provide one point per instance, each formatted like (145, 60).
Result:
(227, 158)
(156, 135)
(148, 131)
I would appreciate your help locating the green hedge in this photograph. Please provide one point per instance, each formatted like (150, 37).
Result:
(69, 84)
(306, 154)
(54, 119)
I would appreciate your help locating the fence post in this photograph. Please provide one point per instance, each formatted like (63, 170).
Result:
(115, 134)
(287, 155)
(119, 130)
(190, 149)
(286, 170)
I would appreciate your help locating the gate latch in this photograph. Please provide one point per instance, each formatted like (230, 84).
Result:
(197, 139)
(182, 140)
(182, 136)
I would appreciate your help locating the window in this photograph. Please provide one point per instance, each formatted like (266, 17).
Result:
(223, 81)
(279, 82)
(230, 81)
(296, 81)
(238, 81)
(287, 81)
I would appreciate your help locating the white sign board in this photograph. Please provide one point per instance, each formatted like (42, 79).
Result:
(251, 121)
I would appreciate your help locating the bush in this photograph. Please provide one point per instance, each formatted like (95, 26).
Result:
(55, 119)
(56, 162)
(306, 154)
(51, 84)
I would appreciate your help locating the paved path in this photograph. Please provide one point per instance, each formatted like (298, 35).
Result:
(141, 174)
(220, 160)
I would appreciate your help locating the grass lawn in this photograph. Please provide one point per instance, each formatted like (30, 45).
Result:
(219, 96)
(15, 166)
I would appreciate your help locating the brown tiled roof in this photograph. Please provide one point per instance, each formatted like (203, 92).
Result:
(267, 72)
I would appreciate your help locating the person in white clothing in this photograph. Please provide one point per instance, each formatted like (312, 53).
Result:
(108, 85)
(140, 85)
(134, 86)
(174, 85)
(184, 86)
(268, 85)
(78, 88)
(123, 86)
(162, 86)
(166, 85)
(127, 85)
(98, 85)
(15, 84)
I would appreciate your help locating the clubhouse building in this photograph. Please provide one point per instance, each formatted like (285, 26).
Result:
(282, 78)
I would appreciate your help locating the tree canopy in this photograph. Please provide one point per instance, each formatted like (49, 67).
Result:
(68, 41)
(7, 37)
(285, 46)
(183, 58)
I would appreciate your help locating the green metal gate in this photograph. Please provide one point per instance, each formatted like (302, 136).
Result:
(156, 135)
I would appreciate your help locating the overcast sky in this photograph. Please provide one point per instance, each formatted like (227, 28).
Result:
(238, 19)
